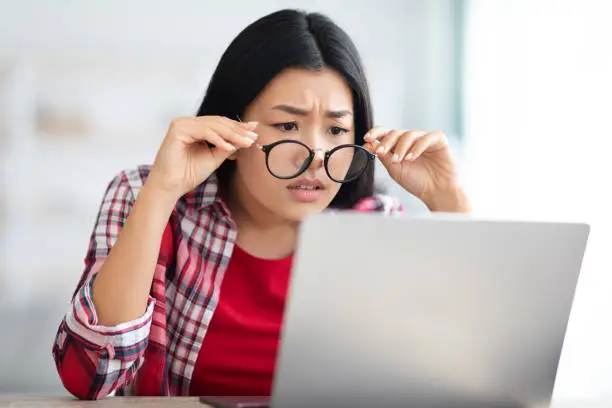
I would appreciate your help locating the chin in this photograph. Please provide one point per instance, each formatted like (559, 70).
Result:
(298, 212)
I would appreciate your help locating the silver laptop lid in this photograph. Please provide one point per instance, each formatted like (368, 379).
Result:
(389, 311)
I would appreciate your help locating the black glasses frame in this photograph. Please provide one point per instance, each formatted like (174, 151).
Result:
(311, 154)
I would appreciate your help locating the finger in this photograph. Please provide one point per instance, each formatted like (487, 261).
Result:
(234, 132)
(249, 125)
(218, 141)
(387, 142)
(246, 125)
(404, 143)
(428, 141)
(190, 130)
(371, 147)
(220, 148)
(375, 133)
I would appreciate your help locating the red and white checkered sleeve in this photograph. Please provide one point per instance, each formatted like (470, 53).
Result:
(381, 203)
(93, 360)
(395, 206)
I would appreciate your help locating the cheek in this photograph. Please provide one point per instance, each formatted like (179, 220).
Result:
(348, 138)
(254, 173)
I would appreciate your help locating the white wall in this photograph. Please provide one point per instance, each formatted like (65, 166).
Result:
(539, 80)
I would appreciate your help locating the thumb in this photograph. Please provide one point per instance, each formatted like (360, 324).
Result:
(210, 157)
(220, 155)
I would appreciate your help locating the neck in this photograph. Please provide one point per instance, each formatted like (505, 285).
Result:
(260, 231)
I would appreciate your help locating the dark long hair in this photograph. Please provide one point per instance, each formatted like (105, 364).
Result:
(284, 39)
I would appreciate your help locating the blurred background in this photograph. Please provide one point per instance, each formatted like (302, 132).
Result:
(87, 88)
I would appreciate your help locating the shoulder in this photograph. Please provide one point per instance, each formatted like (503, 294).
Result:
(380, 203)
(128, 183)
(131, 179)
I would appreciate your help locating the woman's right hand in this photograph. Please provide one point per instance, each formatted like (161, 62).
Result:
(194, 148)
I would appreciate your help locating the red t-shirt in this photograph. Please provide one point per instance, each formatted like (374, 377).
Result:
(238, 355)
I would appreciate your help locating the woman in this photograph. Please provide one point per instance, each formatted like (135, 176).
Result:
(189, 301)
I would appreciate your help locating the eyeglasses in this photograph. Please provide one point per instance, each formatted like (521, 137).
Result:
(287, 159)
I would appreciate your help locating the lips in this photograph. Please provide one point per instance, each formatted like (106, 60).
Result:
(306, 190)
(306, 184)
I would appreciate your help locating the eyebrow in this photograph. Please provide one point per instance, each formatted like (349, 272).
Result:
(303, 112)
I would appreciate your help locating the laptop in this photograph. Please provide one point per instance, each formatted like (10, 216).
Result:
(424, 312)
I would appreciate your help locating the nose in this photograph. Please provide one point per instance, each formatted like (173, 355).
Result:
(319, 155)
(317, 163)
(317, 143)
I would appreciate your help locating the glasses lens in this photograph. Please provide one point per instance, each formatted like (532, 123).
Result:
(288, 159)
(347, 163)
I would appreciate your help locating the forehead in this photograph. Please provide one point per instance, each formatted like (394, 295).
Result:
(307, 88)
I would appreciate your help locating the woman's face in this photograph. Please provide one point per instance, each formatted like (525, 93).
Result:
(314, 107)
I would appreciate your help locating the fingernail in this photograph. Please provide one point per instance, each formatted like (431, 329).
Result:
(367, 136)
(409, 156)
(253, 135)
(249, 141)
(380, 149)
(252, 125)
(395, 158)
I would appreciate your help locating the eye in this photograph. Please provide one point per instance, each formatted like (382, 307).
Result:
(336, 131)
(286, 127)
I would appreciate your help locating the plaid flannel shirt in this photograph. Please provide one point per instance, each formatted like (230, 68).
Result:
(155, 354)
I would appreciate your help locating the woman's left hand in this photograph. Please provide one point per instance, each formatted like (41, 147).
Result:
(421, 162)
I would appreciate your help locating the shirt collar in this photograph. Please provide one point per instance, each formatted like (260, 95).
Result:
(206, 194)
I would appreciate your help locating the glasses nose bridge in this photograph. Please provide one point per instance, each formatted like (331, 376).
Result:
(319, 154)
(320, 157)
